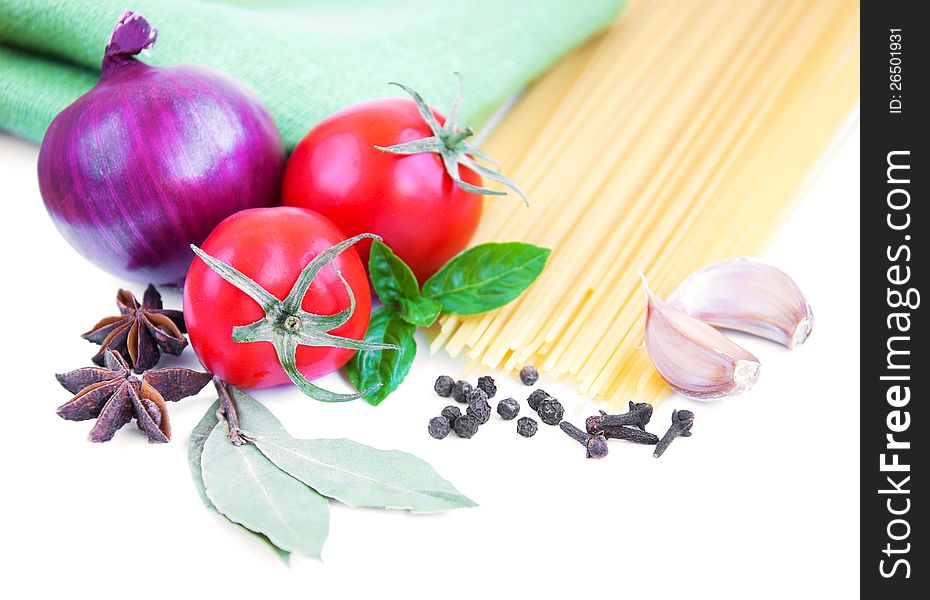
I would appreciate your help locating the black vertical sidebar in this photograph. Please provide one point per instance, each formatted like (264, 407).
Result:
(894, 370)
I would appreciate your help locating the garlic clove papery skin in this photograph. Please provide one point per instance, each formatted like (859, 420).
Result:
(746, 295)
(694, 358)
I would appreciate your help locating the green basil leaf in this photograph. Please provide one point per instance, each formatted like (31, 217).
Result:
(387, 367)
(420, 311)
(362, 476)
(391, 277)
(250, 490)
(486, 277)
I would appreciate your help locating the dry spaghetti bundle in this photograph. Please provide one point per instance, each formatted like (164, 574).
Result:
(680, 137)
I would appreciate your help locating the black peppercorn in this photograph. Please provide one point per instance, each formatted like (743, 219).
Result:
(480, 409)
(526, 427)
(508, 408)
(439, 427)
(460, 391)
(486, 383)
(443, 386)
(535, 398)
(529, 375)
(550, 411)
(465, 426)
(476, 395)
(452, 413)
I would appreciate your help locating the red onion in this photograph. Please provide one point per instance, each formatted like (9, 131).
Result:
(151, 159)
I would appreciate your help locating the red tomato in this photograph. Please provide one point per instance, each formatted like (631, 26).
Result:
(271, 246)
(410, 201)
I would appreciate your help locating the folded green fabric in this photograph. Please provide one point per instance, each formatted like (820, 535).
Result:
(306, 59)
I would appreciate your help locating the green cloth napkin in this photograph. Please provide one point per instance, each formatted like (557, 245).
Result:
(306, 59)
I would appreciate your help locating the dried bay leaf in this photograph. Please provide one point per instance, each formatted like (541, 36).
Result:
(277, 486)
(250, 490)
(254, 418)
(362, 476)
(198, 438)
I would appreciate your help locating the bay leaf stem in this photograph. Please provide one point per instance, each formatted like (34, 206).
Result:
(227, 412)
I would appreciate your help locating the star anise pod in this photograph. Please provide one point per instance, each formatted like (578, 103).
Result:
(141, 331)
(114, 396)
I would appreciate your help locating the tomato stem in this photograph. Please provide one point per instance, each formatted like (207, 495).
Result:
(449, 142)
(286, 325)
(452, 140)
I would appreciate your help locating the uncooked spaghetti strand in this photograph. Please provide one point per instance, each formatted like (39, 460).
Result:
(647, 199)
(601, 204)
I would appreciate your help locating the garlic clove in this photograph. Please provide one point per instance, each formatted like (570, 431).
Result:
(693, 357)
(746, 295)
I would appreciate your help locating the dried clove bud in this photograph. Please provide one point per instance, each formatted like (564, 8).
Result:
(596, 445)
(638, 416)
(682, 420)
(693, 357)
(637, 436)
(747, 295)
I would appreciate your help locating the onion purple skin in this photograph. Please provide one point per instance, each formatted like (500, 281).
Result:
(151, 159)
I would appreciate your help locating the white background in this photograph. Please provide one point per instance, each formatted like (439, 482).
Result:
(762, 501)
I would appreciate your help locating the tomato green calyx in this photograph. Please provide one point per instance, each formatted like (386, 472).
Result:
(286, 325)
(450, 143)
